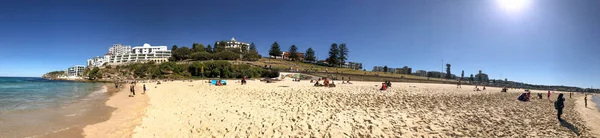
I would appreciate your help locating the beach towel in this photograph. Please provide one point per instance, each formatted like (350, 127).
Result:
(214, 82)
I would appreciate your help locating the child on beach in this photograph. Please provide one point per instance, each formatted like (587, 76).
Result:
(548, 95)
(244, 81)
(383, 86)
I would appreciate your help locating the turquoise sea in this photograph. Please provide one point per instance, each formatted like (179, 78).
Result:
(20, 93)
(36, 107)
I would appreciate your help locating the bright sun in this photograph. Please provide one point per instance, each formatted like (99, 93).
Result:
(513, 5)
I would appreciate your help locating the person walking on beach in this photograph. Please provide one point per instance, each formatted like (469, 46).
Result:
(570, 95)
(132, 89)
(585, 99)
(548, 95)
(559, 104)
(144, 89)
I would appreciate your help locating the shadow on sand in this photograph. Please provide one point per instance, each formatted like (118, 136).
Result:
(570, 126)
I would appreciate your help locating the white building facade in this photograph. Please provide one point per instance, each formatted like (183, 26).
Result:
(75, 71)
(95, 62)
(144, 53)
(119, 49)
(235, 44)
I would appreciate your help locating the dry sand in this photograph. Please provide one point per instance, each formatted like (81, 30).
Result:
(129, 113)
(282, 109)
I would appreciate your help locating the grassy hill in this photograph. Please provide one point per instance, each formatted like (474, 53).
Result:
(338, 73)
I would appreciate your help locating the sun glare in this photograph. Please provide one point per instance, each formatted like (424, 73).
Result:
(513, 5)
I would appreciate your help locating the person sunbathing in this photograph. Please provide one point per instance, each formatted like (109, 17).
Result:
(326, 82)
(219, 83)
(522, 97)
(383, 86)
(332, 84)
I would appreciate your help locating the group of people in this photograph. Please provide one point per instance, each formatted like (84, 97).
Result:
(526, 96)
(559, 104)
(477, 88)
(325, 82)
(132, 89)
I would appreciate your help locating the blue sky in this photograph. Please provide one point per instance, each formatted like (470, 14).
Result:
(554, 42)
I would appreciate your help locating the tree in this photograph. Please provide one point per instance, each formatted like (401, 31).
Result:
(209, 49)
(310, 55)
(343, 55)
(479, 76)
(462, 75)
(201, 56)
(174, 48)
(275, 51)
(182, 53)
(294, 53)
(198, 47)
(244, 49)
(252, 47)
(94, 73)
(471, 78)
(448, 74)
(196, 68)
(385, 69)
(252, 54)
(219, 46)
(333, 55)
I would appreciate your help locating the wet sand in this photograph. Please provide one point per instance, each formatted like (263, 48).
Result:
(66, 121)
(589, 114)
(128, 114)
(282, 109)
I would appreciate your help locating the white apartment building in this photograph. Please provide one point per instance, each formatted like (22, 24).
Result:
(95, 62)
(75, 71)
(142, 53)
(119, 49)
(235, 44)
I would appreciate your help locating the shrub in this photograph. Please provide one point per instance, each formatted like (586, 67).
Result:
(226, 55)
(273, 73)
(202, 56)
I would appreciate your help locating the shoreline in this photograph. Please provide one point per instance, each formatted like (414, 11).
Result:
(590, 114)
(128, 114)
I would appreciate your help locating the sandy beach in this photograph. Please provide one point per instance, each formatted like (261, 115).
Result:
(129, 112)
(589, 114)
(287, 108)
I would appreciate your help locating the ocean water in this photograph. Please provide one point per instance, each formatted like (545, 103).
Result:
(21, 93)
(36, 107)
(596, 99)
